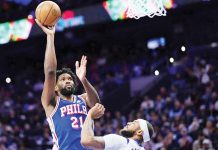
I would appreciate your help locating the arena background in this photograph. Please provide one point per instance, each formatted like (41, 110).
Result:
(163, 69)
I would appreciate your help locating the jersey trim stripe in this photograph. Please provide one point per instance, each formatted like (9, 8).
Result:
(56, 107)
(80, 96)
(84, 103)
(53, 129)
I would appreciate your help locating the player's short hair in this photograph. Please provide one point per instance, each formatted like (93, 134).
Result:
(68, 71)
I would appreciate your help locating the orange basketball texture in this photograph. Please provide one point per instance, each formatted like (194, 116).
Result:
(48, 13)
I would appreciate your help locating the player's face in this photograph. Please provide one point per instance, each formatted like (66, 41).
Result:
(130, 129)
(65, 84)
(132, 125)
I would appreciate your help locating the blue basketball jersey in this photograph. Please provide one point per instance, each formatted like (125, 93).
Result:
(66, 123)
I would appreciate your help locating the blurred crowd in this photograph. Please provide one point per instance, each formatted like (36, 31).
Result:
(183, 111)
(184, 114)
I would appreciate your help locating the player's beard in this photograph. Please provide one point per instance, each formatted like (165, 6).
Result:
(126, 133)
(67, 92)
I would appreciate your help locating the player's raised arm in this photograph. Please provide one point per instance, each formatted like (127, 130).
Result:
(50, 66)
(88, 139)
(91, 96)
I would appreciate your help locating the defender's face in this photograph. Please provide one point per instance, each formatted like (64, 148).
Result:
(65, 82)
(130, 129)
(132, 126)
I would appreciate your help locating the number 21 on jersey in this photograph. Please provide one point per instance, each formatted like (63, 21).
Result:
(77, 122)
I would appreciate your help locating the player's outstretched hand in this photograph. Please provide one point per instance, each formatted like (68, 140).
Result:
(81, 68)
(47, 30)
(97, 111)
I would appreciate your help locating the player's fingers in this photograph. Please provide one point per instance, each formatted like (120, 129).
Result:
(51, 27)
(39, 24)
(99, 106)
(37, 21)
(98, 109)
(102, 109)
(82, 60)
(101, 114)
(85, 61)
(102, 106)
(96, 106)
(77, 64)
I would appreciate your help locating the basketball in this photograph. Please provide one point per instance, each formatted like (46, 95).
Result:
(48, 13)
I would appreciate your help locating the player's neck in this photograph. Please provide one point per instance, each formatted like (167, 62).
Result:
(69, 98)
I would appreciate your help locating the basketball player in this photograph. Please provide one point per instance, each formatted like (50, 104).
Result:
(133, 134)
(65, 111)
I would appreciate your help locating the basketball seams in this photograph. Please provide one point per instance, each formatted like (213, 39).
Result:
(53, 20)
(48, 13)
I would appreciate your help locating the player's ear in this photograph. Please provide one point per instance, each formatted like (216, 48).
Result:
(139, 132)
(56, 88)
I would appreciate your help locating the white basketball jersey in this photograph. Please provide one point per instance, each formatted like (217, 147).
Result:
(117, 142)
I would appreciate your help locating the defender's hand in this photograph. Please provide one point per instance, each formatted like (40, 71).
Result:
(81, 68)
(97, 111)
(48, 31)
